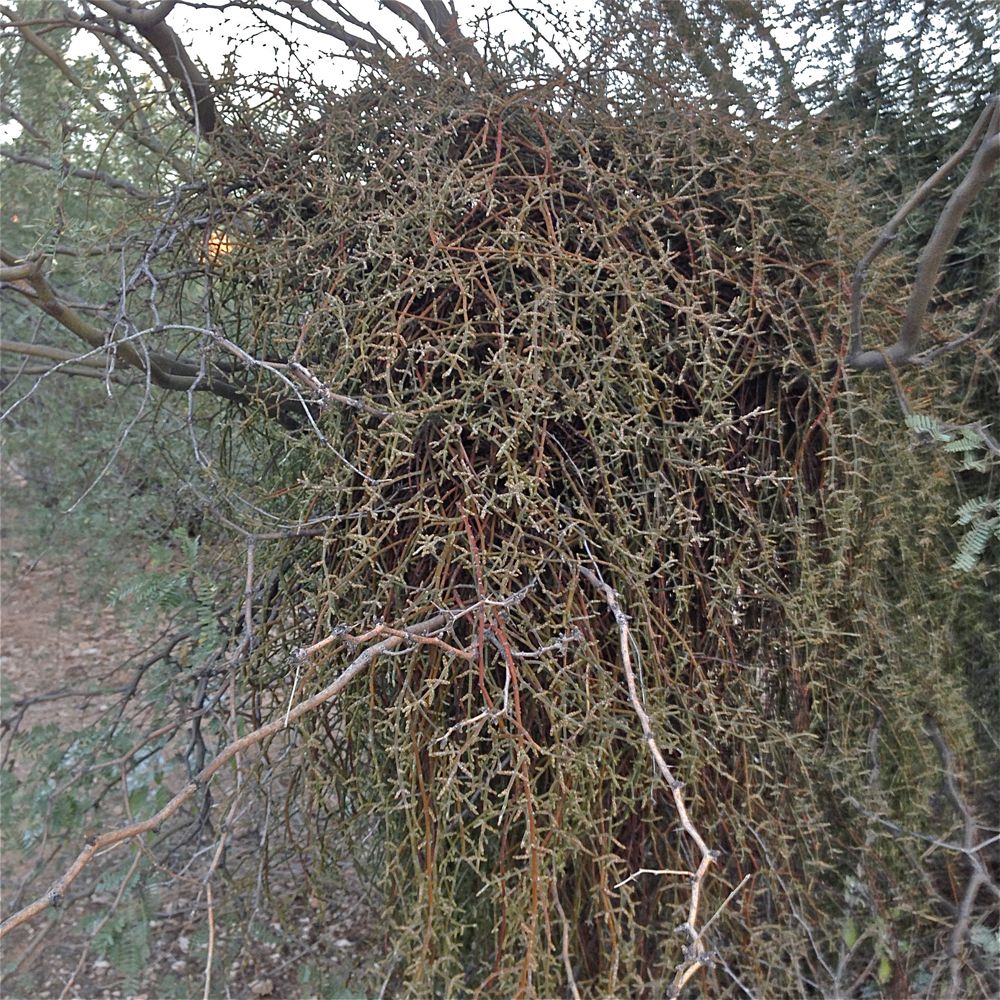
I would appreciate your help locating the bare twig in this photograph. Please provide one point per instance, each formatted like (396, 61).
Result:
(978, 876)
(711, 920)
(210, 957)
(933, 353)
(567, 964)
(696, 954)
(654, 871)
(420, 632)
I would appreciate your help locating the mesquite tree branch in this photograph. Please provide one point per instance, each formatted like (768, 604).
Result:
(57, 354)
(64, 363)
(27, 278)
(746, 11)
(726, 87)
(361, 47)
(101, 176)
(150, 24)
(902, 352)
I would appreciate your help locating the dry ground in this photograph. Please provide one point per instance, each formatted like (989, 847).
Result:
(63, 660)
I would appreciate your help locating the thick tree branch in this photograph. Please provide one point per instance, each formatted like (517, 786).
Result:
(150, 24)
(57, 354)
(932, 256)
(27, 278)
(725, 86)
(68, 369)
(354, 42)
(446, 25)
(745, 10)
(406, 13)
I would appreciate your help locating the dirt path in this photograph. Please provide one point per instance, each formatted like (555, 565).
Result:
(53, 644)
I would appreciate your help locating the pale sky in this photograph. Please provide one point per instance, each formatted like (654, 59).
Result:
(214, 32)
(210, 34)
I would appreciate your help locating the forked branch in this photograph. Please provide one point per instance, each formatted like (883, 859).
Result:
(903, 351)
(27, 277)
(979, 876)
(150, 23)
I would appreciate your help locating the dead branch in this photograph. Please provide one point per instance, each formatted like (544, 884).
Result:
(978, 877)
(423, 632)
(106, 841)
(150, 24)
(902, 352)
(695, 955)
